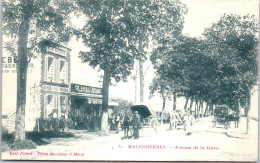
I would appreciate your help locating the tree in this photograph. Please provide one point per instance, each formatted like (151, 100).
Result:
(149, 21)
(178, 65)
(123, 107)
(234, 41)
(168, 26)
(106, 34)
(117, 32)
(163, 87)
(21, 18)
(140, 17)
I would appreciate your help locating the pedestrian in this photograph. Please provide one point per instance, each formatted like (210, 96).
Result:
(62, 123)
(113, 122)
(236, 116)
(126, 123)
(136, 124)
(117, 120)
(188, 123)
(173, 120)
(154, 123)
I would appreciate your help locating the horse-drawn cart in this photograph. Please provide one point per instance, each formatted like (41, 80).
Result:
(223, 115)
(146, 114)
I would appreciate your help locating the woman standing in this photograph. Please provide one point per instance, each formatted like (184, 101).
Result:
(188, 123)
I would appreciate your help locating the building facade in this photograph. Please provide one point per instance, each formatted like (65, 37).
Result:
(47, 90)
(50, 93)
(48, 84)
(55, 81)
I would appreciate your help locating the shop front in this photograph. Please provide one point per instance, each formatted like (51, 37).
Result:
(85, 107)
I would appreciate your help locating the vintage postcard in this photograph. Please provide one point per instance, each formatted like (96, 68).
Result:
(130, 80)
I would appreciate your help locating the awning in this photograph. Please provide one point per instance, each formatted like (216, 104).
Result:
(86, 95)
(94, 101)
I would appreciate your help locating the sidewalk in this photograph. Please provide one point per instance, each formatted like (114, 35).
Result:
(83, 142)
(241, 131)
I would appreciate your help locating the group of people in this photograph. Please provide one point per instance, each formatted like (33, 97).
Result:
(114, 122)
(125, 121)
(135, 121)
(187, 120)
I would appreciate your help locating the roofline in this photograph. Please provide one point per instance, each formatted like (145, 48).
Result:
(41, 38)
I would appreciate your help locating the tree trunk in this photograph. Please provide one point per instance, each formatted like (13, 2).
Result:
(104, 124)
(105, 91)
(247, 110)
(206, 109)
(186, 103)
(212, 109)
(238, 105)
(141, 74)
(141, 67)
(201, 105)
(174, 100)
(191, 103)
(22, 65)
(163, 108)
(196, 108)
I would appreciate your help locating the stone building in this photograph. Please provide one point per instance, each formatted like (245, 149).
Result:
(48, 86)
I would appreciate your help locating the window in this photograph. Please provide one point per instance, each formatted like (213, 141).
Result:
(63, 77)
(62, 106)
(55, 106)
(49, 69)
(50, 106)
(56, 70)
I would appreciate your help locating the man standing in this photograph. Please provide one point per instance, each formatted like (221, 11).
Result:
(236, 116)
(136, 124)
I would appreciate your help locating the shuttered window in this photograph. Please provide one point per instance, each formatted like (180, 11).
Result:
(63, 105)
(50, 106)
(50, 69)
(63, 75)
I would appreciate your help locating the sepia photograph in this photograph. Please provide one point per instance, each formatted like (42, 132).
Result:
(130, 80)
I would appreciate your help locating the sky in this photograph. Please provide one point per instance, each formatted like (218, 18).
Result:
(201, 14)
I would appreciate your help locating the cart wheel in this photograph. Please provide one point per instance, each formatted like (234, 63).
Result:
(227, 125)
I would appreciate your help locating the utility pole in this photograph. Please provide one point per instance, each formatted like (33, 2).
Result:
(136, 81)
(141, 75)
